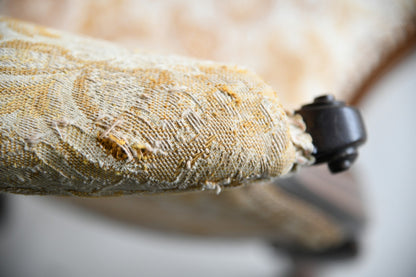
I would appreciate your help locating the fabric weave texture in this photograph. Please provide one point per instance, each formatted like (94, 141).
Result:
(86, 117)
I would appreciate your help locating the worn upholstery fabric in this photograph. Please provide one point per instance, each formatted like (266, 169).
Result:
(85, 117)
(301, 48)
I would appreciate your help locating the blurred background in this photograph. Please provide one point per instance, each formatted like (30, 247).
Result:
(364, 53)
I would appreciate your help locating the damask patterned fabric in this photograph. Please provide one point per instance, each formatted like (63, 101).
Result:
(85, 117)
(301, 48)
